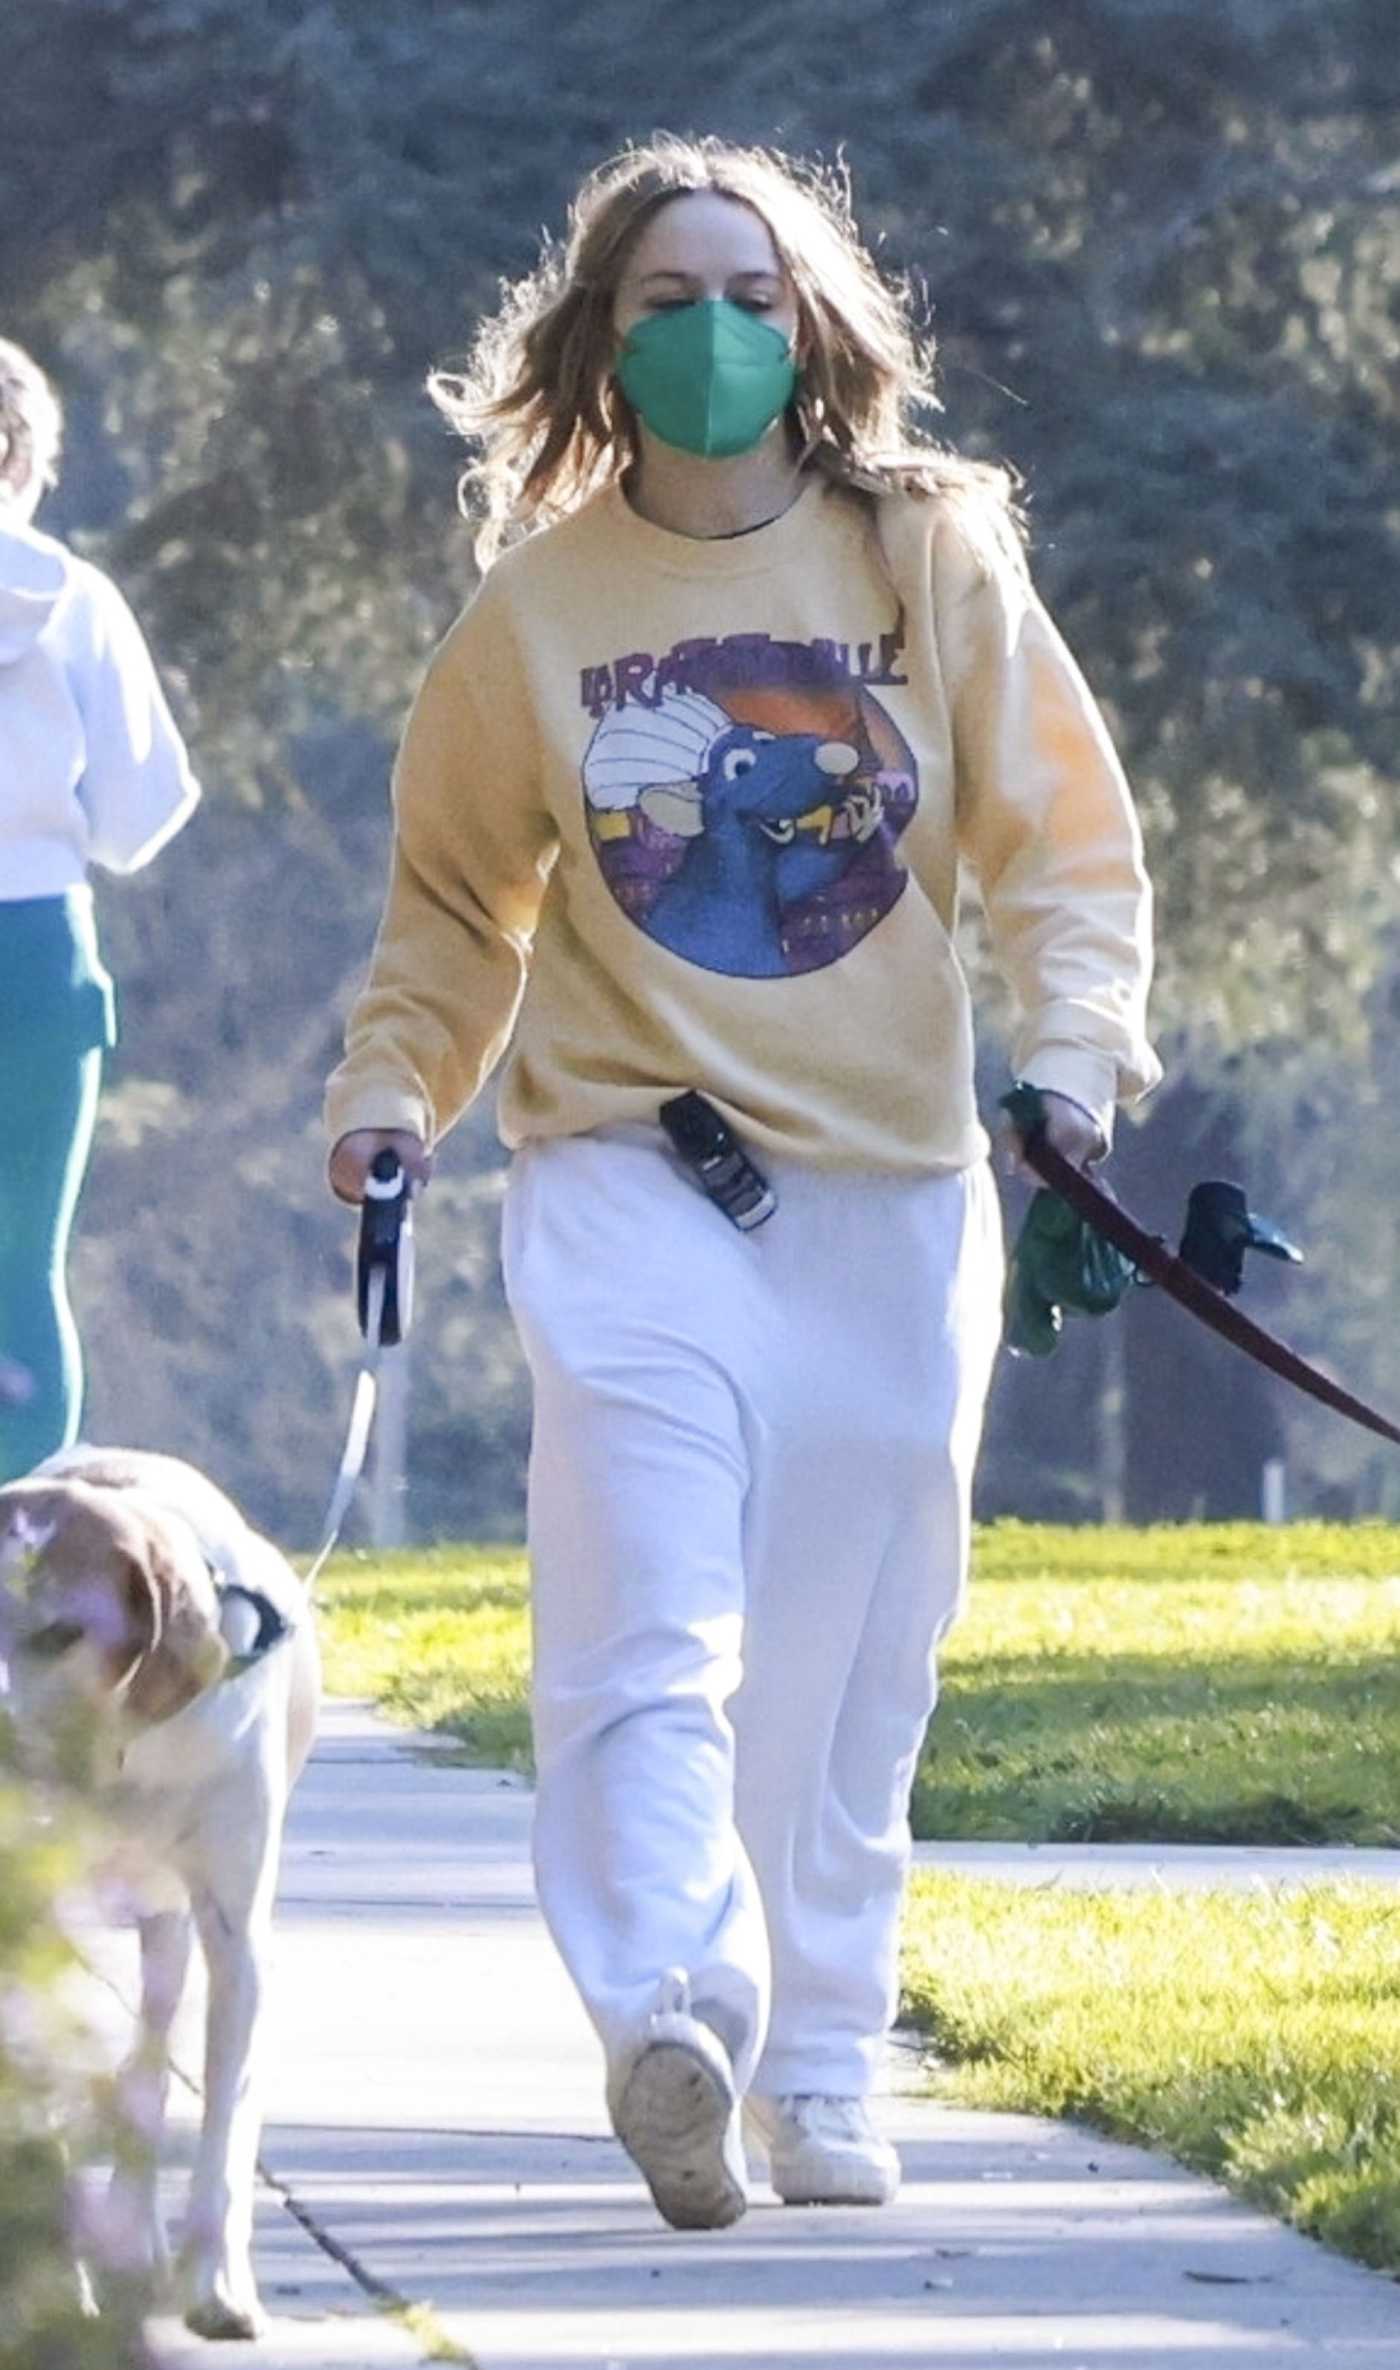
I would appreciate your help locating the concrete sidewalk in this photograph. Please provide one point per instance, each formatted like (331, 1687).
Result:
(436, 2137)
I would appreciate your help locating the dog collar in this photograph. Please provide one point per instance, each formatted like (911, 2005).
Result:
(273, 1626)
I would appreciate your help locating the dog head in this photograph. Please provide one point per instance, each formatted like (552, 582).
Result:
(108, 1613)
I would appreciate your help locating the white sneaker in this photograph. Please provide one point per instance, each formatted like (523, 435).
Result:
(676, 2112)
(823, 2151)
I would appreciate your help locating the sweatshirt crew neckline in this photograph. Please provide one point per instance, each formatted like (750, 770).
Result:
(753, 552)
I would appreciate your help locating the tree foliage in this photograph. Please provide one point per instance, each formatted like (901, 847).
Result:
(1162, 243)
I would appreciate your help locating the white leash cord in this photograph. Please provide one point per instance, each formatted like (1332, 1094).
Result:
(352, 1462)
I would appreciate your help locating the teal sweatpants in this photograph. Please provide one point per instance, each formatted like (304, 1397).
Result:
(55, 1022)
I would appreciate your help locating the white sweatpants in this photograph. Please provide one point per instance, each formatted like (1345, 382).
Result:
(748, 1516)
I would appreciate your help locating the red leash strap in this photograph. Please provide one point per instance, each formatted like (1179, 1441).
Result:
(1150, 1255)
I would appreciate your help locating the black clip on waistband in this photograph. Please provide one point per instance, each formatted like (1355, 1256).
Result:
(717, 1161)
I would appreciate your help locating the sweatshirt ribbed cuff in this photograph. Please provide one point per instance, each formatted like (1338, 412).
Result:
(360, 1104)
(1087, 1079)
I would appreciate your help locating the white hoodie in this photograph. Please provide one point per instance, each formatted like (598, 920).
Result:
(92, 769)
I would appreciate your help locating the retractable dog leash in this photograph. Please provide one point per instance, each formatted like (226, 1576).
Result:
(384, 1306)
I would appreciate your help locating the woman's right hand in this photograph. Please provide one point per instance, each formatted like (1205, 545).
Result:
(353, 1157)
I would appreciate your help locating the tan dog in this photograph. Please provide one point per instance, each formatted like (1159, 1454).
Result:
(147, 1624)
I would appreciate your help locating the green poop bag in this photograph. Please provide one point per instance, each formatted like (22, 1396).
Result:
(1058, 1262)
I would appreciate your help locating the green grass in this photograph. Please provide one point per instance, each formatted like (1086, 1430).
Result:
(1220, 1683)
(1216, 1683)
(440, 1639)
(1255, 2037)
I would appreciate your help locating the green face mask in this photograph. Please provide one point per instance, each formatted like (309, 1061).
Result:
(707, 377)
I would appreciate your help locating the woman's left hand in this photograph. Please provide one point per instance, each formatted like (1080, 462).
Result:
(1068, 1130)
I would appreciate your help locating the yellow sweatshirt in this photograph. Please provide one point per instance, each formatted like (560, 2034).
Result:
(681, 813)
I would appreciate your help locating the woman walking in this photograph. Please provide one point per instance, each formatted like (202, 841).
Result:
(679, 813)
(92, 770)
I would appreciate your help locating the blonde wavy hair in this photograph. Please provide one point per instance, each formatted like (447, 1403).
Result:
(539, 396)
(31, 421)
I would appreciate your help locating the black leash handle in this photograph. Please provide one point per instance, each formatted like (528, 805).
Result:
(385, 1251)
(384, 1304)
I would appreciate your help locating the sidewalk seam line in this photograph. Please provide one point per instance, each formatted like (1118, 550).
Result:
(418, 2321)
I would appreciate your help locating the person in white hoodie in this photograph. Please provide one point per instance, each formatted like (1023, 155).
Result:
(92, 770)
